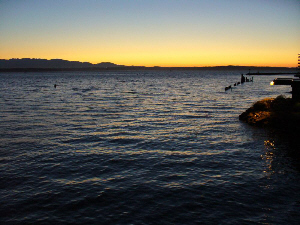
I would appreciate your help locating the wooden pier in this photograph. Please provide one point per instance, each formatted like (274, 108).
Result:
(294, 82)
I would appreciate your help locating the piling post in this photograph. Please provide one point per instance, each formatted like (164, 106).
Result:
(296, 90)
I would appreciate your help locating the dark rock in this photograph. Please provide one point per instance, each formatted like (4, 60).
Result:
(280, 113)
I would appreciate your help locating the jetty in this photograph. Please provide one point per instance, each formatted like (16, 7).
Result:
(297, 74)
(293, 82)
(243, 80)
(279, 114)
(272, 73)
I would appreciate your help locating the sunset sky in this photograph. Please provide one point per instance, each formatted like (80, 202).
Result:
(153, 32)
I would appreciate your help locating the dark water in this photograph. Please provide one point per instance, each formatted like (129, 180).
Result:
(159, 147)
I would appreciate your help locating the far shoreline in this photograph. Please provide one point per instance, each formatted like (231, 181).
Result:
(271, 70)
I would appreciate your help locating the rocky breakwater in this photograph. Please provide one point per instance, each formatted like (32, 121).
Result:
(280, 112)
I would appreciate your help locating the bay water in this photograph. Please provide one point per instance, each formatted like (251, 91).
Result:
(141, 147)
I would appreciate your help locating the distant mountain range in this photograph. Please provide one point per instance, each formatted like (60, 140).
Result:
(52, 63)
(34, 64)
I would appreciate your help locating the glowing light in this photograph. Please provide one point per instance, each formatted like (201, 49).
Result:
(272, 83)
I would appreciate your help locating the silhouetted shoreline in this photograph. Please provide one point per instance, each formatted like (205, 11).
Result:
(66, 69)
(44, 65)
(266, 74)
(124, 68)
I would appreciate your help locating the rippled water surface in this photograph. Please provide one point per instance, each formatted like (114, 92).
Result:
(141, 147)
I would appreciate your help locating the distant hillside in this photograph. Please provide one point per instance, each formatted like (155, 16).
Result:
(40, 65)
(52, 63)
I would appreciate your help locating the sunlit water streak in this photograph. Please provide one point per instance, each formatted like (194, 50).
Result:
(141, 147)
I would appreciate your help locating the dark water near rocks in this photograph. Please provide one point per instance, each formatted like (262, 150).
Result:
(153, 147)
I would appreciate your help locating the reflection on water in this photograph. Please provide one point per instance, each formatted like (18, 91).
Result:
(281, 152)
(269, 154)
(158, 147)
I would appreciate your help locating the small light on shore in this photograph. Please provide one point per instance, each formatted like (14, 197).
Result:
(272, 83)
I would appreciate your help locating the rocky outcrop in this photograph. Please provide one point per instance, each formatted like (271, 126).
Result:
(280, 112)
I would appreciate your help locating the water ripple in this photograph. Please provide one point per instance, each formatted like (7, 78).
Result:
(158, 147)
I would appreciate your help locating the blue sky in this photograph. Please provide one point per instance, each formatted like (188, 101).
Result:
(166, 33)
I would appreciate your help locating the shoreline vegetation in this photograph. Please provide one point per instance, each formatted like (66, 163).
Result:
(280, 113)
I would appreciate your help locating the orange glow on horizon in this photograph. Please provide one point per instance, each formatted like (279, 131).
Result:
(162, 58)
(185, 52)
(165, 33)
(178, 63)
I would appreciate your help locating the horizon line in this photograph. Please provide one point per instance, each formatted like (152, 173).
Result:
(230, 65)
